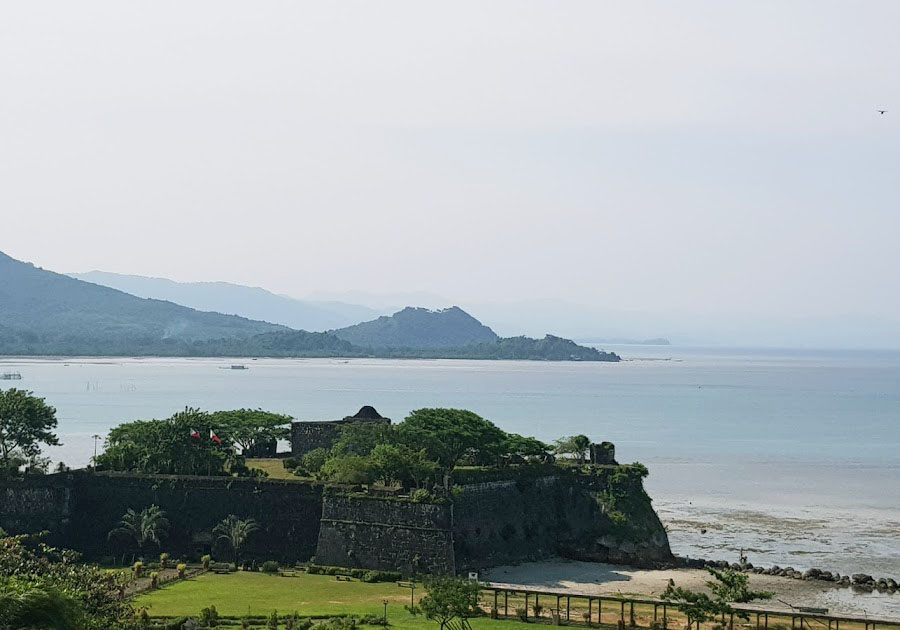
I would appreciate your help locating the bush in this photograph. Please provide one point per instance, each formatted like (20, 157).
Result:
(303, 624)
(154, 580)
(381, 576)
(164, 560)
(209, 617)
(270, 566)
(181, 568)
(138, 569)
(538, 609)
(314, 460)
(421, 495)
(205, 560)
(314, 570)
(272, 621)
(290, 463)
(522, 613)
(175, 624)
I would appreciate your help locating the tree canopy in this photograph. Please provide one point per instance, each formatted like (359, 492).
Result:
(248, 427)
(26, 422)
(180, 445)
(450, 601)
(448, 435)
(575, 445)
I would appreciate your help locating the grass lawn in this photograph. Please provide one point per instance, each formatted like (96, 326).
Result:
(273, 466)
(240, 593)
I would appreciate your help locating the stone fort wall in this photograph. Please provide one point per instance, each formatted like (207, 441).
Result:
(488, 524)
(414, 538)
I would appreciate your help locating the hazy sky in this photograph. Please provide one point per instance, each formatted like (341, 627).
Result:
(706, 157)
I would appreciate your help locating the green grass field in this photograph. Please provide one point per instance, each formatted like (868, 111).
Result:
(239, 594)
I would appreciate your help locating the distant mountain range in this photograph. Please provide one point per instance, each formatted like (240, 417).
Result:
(46, 313)
(42, 312)
(235, 299)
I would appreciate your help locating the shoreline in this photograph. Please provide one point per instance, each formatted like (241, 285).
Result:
(590, 578)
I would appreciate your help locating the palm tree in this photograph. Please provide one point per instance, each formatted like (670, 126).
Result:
(235, 532)
(39, 608)
(148, 525)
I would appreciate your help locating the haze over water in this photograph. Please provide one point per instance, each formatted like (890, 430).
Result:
(794, 456)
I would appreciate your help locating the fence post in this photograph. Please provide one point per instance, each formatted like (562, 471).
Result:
(526, 605)
(568, 606)
(665, 618)
(631, 614)
(506, 603)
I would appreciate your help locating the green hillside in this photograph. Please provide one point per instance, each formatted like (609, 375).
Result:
(420, 328)
(43, 312)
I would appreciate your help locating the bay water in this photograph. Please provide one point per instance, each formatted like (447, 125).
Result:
(792, 456)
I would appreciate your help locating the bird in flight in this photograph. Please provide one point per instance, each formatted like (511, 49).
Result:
(881, 111)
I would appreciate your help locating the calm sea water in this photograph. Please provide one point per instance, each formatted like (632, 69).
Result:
(793, 456)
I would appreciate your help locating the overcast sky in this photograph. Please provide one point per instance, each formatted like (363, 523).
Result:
(705, 157)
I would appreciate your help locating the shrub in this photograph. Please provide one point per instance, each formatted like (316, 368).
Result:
(421, 495)
(164, 560)
(290, 623)
(538, 609)
(175, 624)
(314, 570)
(154, 580)
(290, 463)
(522, 613)
(205, 560)
(272, 621)
(138, 569)
(314, 460)
(181, 569)
(270, 566)
(209, 617)
(381, 576)
(303, 624)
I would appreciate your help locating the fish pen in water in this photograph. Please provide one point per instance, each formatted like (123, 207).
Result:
(606, 611)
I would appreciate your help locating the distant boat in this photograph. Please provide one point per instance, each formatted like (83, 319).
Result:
(237, 367)
(10, 376)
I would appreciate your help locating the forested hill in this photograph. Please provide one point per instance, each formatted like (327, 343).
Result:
(46, 313)
(419, 328)
(42, 312)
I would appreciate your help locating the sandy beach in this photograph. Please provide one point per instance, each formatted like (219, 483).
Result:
(604, 579)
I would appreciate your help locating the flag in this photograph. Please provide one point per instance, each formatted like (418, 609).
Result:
(195, 433)
(215, 438)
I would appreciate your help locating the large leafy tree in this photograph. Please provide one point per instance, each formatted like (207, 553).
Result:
(180, 445)
(235, 532)
(450, 601)
(575, 445)
(448, 435)
(249, 427)
(148, 525)
(399, 464)
(26, 422)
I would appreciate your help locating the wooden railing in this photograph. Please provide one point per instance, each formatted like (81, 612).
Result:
(636, 612)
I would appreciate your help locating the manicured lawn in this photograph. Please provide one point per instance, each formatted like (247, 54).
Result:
(240, 593)
(273, 466)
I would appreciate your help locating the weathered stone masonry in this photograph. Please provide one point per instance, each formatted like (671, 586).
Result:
(487, 524)
(415, 538)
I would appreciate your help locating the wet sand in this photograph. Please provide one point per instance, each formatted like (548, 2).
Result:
(591, 578)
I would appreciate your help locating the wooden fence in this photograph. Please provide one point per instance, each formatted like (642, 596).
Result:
(562, 607)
